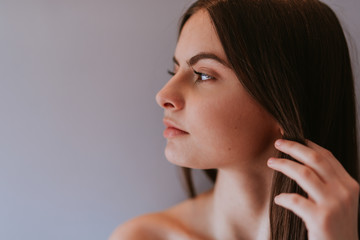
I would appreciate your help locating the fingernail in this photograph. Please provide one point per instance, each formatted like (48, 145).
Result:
(278, 142)
(270, 161)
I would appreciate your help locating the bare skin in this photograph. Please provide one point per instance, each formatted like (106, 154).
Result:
(212, 122)
(225, 129)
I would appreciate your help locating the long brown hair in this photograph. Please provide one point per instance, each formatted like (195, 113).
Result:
(292, 57)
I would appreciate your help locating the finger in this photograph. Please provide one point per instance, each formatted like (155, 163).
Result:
(343, 177)
(308, 156)
(299, 205)
(332, 160)
(304, 176)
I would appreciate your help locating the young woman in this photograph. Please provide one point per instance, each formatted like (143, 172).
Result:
(261, 98)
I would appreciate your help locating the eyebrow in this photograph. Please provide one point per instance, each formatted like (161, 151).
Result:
(203, 55)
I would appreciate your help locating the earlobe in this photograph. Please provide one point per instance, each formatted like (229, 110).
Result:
(281, 131)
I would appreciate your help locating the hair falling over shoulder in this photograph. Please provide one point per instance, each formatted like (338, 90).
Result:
(292, 57)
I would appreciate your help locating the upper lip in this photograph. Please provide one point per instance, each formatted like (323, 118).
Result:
(170, 123)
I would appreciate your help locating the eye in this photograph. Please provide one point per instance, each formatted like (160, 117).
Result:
(203, 76)
(171, 73)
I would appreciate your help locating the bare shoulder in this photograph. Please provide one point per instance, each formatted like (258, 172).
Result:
(184, 221)
(152, 226)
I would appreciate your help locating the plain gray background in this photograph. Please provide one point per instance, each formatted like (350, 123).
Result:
(81, 146)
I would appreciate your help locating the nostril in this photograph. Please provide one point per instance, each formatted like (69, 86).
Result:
(168, 105)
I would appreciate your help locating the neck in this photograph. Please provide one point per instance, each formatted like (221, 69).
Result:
(240, 203)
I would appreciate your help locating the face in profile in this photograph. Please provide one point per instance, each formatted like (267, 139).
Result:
(212, 122)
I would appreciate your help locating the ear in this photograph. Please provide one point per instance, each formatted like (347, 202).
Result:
(281, 131)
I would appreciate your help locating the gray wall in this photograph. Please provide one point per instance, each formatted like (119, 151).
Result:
(81, 146)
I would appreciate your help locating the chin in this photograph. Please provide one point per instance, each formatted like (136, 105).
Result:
(178, 160)
(186, 160)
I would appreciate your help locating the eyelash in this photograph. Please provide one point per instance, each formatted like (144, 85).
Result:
(170, 72)
(200, 74)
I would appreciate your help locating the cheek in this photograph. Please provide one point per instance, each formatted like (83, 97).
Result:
(230, 129)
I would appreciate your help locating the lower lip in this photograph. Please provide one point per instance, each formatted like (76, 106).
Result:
(171, 132)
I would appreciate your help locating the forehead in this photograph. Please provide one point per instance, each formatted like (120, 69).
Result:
(198, 35)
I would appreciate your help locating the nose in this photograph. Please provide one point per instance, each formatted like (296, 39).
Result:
(170, 97)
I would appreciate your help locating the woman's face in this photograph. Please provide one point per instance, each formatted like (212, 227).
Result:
(221, 124)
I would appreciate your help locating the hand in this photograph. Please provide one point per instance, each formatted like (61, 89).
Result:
(331, 210)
